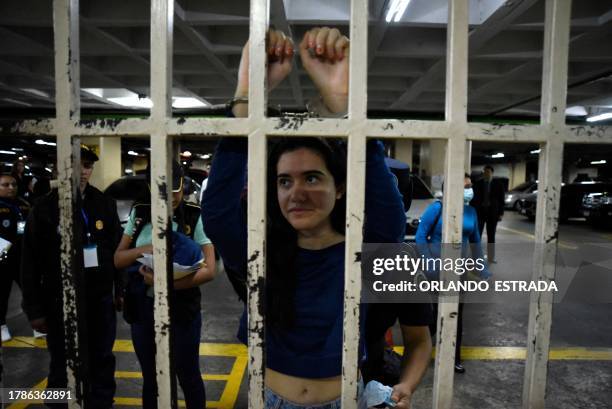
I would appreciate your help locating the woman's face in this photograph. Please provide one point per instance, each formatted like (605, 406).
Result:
(306, 190)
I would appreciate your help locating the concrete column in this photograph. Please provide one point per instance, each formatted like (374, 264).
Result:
(519, 173)
(468, 157)
(108, 168)
(403, 151)
(437, 157)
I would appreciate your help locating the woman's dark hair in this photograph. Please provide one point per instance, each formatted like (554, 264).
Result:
(282, 246)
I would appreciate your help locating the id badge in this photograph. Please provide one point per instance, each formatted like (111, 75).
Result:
(90, 256)
(21, 227)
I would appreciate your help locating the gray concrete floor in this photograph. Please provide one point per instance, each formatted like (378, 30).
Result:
(486, 384)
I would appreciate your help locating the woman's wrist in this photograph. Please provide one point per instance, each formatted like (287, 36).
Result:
(240, 108)
(336, 103)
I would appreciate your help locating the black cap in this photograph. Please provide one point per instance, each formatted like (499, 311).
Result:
(88, 154)
(177, 176)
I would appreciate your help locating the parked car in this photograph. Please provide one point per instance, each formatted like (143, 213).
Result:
(572, 195)
(597, 208)
(514, 196)
(127, 189)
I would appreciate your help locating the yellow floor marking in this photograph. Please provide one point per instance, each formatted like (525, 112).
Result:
(138, 375)
(22, 405)
(233, 380)
(520, 353)
(532, 237)
(230, 393)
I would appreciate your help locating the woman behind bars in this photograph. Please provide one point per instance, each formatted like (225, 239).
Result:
(306, 227)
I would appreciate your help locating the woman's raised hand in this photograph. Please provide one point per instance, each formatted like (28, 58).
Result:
(324, 52)
(280, 50)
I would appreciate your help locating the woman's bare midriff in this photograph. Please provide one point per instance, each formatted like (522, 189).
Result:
(305, 391)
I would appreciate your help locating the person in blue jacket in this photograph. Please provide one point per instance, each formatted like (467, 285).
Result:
(430, 232)
(306, 226)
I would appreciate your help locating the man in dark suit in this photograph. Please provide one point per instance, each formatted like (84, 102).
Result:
(489, 203)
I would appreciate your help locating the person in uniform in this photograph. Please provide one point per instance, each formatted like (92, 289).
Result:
(13, 213)
(186, 296)
(100, 231)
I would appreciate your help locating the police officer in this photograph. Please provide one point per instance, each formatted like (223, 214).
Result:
(100, 232)
(13, 213)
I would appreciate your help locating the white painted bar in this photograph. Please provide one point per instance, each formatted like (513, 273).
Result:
(452, 207)
(379, 128)
(257, 164)
(67, 89)
(356, 161)
(554, 94)
(162, 14)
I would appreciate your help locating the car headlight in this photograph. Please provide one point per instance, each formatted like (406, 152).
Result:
(508, 198)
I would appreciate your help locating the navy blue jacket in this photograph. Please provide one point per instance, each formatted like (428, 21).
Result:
(312, 348)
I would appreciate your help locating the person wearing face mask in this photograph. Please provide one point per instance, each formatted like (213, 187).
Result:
(185, 313)
(430, 232)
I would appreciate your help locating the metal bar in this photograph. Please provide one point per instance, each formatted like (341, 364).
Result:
(257, 164)
(357, 99)
(457, 61)
(554, 95)
(278, 17)
(66, 41)
(456, 117)
(358, 71)
(162, 14)
(285, 126)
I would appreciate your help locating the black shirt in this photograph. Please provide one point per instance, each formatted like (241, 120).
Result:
(40, 269)
(12, 211)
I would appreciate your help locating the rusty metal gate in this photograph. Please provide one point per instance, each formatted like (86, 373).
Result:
(552, 134)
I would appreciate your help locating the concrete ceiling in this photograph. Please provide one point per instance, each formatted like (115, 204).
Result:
(406, 59)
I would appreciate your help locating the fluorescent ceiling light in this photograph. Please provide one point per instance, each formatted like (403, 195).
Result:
(8, 152)
(36, 92)
(132, 153)
(17, 149)
(535, 151)
(186, 154)
(498, 155)
(98, 92)
(41, 142)
(576, 111)
(132, 101)
(599, 162)
(587, 182)
(48, 170)
(14, 101)
(129, 171)
(187, 102)
(396, 10)
(600, 117)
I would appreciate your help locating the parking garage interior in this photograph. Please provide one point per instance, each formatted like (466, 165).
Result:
(406, 80)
